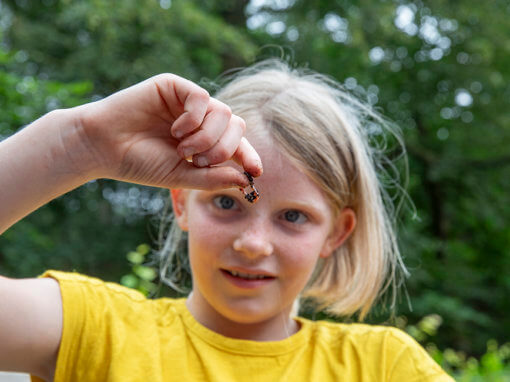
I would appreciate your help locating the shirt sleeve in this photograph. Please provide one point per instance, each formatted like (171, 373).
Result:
(96, 317)
(411, 362)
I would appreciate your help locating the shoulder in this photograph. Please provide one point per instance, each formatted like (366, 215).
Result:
(361, 334)
(90, 298)
(381, 349)
(92, 285)
(90, 304)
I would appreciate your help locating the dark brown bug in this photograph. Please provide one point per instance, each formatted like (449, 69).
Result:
(254, 195)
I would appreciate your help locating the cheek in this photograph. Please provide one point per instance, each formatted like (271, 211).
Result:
(302, 255)
(205, 235)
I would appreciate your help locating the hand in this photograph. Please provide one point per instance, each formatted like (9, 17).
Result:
(145, 133)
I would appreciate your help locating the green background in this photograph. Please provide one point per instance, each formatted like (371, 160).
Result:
(439, 69)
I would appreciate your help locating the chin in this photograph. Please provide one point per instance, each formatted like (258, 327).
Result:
(248, 313)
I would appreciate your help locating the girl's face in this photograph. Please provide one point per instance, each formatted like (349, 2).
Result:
(250, 261)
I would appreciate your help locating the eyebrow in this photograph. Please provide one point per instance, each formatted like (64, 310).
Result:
(307, 206)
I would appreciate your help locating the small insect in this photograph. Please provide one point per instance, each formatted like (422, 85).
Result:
(254, 195)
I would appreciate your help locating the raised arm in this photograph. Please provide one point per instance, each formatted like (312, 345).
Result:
(141, 134)
(35, 166)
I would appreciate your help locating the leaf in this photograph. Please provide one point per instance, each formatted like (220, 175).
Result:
(135, 257)
(143, 249)
(129, 280)
(145, 273)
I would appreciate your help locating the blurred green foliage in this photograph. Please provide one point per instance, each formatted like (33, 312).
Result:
(141, 277)
(439, 69)
(494, 364)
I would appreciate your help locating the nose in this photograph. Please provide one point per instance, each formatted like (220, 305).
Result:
(254, 242)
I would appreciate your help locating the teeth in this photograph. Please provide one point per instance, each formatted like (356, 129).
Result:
(247, 275)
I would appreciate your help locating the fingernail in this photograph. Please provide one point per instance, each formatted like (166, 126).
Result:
(178, 134)
(188, 152)
(202, 162)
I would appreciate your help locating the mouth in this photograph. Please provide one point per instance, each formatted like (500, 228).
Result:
(247, 280)
(250, 277)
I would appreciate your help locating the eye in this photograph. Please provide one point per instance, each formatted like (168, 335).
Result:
(295, 216)
(224, 202)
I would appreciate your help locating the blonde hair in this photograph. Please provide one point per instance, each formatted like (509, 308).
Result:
(324, 130)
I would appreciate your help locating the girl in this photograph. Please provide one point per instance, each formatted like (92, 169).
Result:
(319, 230)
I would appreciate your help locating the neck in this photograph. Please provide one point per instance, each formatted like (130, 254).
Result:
(273, 329)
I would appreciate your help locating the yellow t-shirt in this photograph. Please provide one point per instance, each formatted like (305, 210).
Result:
(112, 333)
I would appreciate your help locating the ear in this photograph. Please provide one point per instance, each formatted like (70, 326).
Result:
(342, 229)
(179, 197)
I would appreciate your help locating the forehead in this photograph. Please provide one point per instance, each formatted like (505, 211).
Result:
(282, 177)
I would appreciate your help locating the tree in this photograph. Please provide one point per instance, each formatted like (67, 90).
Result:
(437, 68)
(120, 43)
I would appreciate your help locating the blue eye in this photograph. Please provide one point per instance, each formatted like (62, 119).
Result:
(294, 216)
(224, 202)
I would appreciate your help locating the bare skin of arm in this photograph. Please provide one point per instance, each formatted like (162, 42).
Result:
(142, 134)
(30, 326)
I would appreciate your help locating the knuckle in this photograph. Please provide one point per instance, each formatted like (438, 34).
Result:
(163, 78)
(241, 123)
(225, 111)
(203, 95)
(194, 120)
(158, 77)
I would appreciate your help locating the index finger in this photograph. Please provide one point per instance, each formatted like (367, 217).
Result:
(247, 157)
